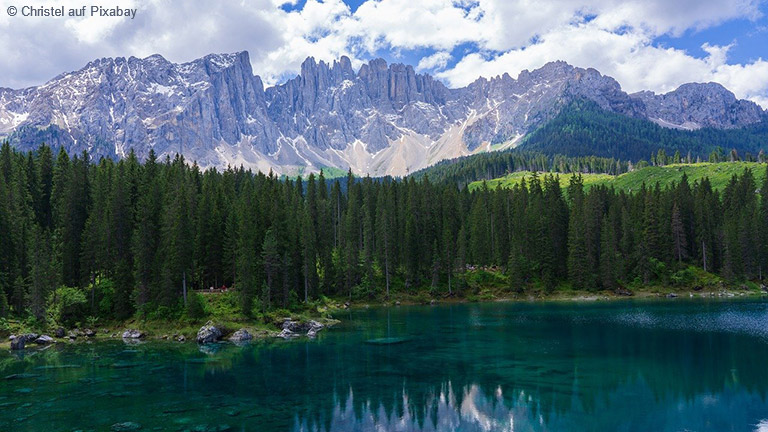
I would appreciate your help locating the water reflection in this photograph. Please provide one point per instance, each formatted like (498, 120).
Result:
(496, 367)
(474, 410)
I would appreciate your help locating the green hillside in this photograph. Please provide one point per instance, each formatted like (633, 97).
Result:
(510, 180)
(582, 128)
(718, 173)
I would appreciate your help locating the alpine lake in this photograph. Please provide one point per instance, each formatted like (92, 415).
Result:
(634, 365)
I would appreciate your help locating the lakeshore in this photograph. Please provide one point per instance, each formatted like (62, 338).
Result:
(269, 326)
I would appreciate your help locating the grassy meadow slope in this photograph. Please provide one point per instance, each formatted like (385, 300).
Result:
(718, 173)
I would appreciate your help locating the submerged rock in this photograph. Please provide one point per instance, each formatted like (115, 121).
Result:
(132, 334)
(125, 427)
(387, 341)
(210, 428)
(241, 335)
(208, 333)
(21, 376)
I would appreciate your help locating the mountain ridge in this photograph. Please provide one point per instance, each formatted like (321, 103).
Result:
(380, 120)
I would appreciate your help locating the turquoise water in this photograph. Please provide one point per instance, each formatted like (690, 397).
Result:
(614, 366)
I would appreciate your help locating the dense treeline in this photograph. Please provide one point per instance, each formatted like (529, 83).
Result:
(486, 166)
(583, 128)
(132, 238)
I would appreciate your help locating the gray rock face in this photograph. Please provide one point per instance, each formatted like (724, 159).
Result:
(241, 335)
(381, 119)
(208, 333)
(694, 105)
(133, 334)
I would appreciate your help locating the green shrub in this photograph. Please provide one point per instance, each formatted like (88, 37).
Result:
(4, 309)
(91, 321)
(104, 293)
(163, 313)
(196, 306)
(226, 304)
(67, 305)
(684, 277)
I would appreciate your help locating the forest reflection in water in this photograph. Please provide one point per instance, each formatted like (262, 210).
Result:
(628, 366)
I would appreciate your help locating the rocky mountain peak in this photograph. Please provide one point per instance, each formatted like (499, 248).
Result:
(697, 105)
(380, 119)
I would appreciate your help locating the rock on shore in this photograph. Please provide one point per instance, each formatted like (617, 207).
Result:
(208, 333)
(133, 334)
(293, 328)
(44, 340)
(241, 335)
(19, 342)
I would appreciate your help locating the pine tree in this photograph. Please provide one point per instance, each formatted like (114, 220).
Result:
(272, 259)
(678, 234)
(577, 251)
(43, 273)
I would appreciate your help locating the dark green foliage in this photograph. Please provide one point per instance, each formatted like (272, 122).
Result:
(584, 129)
(196, 306)
(132, 237)
(487, 166)
(67, 305)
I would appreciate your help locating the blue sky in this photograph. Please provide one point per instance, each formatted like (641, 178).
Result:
(749, 39)
(644, 44)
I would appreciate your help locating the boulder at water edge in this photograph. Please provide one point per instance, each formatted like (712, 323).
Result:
(44, 340)
(287, 334)
(208, 333)
(19, 342)
(132, 334)
(314, 327)
(241, 335)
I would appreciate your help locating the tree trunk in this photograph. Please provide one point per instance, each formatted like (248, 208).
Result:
(93, 291)
(184, 286)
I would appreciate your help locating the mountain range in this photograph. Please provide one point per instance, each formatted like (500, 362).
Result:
(380, 119)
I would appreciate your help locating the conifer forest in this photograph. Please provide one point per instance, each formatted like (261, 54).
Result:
(134, 238)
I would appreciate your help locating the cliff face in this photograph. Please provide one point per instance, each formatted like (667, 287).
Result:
(382, 119)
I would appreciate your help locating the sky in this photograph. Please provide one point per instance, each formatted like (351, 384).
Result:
(644, 44)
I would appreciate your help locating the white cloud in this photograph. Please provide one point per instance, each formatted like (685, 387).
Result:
(613, 36)
(437, 60)
(629, 57)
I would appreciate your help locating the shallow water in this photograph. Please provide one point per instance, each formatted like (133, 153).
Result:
(614, 366)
